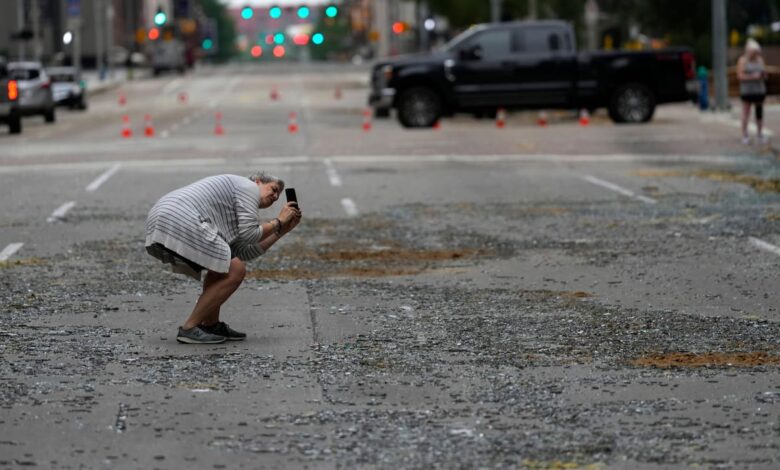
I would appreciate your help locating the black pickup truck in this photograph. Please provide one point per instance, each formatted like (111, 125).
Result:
(529, 65)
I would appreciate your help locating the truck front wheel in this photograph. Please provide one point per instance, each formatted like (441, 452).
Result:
(419, 107)
(632, 103)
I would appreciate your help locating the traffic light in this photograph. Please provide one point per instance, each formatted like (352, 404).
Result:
(303, 12)
(317, 39)
(275, 12)
(399, 27)
(154, 34)
(279, 38)
(331, 11)
(160, 18)
(247, 13)
(207, 44)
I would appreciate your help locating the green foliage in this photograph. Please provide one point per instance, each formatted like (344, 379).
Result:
(227, 30)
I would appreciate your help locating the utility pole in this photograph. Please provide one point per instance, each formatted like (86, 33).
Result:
(109, 38)
(36, 27)
(495, 11)
(382, 27)
(591, 24)
(422, 15)
(20, 24)
(98, 15)
(719, 55)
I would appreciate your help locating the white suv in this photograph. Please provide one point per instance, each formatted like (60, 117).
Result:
(35, 93)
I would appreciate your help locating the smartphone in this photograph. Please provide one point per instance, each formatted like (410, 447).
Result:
(291, 197)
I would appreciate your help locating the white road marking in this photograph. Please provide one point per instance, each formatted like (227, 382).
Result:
(10, 250)
(349, 207)
(732, 121)
(553, 158)
(617, 189)
(758, 243)
(82, 166)
(359, 159)
(333, 176)
(93, 186)
(60, 212)
(172, 85)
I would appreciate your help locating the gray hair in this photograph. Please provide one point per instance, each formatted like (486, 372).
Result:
(265, 178)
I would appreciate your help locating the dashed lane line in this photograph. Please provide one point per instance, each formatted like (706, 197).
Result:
(758, 243)
(93, 186)
(60, 212)
(9, 250)
(618, 189)
(349, 207)
(333, 175)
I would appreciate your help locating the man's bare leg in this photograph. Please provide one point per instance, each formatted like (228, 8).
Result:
(215, 292)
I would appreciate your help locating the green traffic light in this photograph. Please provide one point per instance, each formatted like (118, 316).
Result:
(160, 18)
(317, 38)
(332, 11)
(279, 38)
(207, 44)
(303, 12)
(275, 13)
(247, 13)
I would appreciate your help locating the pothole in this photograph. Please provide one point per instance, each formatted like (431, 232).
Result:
(684, 359)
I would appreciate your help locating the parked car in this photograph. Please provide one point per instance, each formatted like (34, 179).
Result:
(9, 100)
(35, 93)
(68, 87)
(530, 65)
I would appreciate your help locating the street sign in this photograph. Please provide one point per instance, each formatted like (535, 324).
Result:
(74, 8)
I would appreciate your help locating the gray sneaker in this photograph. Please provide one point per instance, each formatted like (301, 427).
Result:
(197, 336)
(222, 329)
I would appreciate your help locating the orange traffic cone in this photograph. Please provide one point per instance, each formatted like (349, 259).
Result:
(337, 93)
(218, 129)
(148, 127)
(274, 94)
(127, 132)
(584, 117)
(501, 118)
(183, 98)
(292, 124)
(122, 99)
(542, 120)
(367, 120)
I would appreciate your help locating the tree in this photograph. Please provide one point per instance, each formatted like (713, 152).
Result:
(226, 34)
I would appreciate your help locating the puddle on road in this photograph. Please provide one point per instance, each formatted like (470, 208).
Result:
(21, 262)
(761, 185)
(378, 261)
(680, 359)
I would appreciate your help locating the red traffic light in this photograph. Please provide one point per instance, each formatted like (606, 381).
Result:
(399, 27)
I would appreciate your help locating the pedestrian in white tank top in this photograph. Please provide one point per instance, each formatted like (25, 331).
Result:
(751, 73)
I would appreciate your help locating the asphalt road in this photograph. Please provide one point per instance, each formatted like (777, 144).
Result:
(467, 297)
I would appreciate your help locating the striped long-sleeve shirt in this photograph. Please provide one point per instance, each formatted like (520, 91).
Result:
(209, 222)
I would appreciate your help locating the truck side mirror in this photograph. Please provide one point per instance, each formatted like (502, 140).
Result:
(471, 53)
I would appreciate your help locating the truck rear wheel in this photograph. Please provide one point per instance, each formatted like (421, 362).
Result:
(419, 107)
(632, 103)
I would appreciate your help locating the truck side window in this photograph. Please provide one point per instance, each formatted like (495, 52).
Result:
(494, 44)
(539, 40)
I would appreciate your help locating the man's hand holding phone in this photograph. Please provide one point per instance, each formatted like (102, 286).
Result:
(291, 214)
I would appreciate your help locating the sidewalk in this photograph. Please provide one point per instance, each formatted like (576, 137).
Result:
(116, 78)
